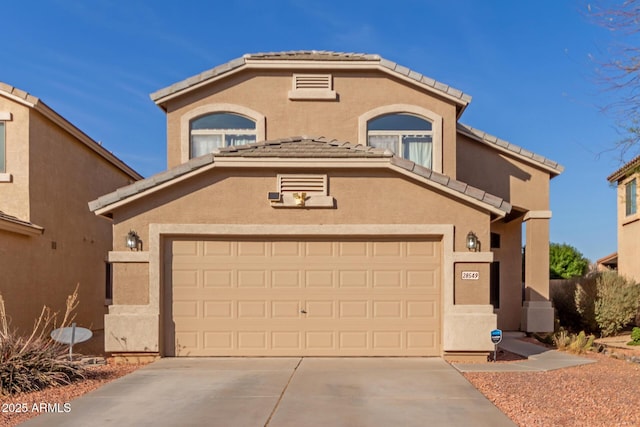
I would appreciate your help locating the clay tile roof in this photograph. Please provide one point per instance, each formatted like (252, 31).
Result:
(301, 147)
(482, 136)
(623, 172)
(310, 55)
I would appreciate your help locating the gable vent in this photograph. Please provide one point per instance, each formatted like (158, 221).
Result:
(312, 86)
(310, 184)
(312, 81)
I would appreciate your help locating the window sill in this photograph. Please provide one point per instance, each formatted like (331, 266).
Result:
(6, 177)
(311, 94)
(288, 201)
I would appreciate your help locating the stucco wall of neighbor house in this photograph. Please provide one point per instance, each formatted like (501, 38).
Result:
(267, 93)
(628, 234)
(14, 195)
(64, 175)
(509, 256)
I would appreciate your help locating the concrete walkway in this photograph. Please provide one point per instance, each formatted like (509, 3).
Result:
(539, 358)
(283, 392)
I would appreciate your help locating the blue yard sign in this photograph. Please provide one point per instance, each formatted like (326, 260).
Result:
(496, 336)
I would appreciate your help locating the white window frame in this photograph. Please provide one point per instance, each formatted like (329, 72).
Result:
(185, 124)
(4, 117)
(631, 200)
(436, 127)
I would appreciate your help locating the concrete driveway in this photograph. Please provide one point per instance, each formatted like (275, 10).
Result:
(278, 392)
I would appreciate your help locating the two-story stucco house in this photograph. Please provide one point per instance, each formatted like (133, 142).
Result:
(49, 240)
(322, 203)
(626, 180)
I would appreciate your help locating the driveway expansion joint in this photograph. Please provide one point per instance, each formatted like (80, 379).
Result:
(275, 407)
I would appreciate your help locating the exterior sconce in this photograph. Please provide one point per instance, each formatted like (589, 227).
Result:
(133, 240)
(472, 241)
(300, 199)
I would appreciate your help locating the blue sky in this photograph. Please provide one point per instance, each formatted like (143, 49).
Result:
(530, 67)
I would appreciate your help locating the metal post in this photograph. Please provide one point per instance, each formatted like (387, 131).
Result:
(73, 338)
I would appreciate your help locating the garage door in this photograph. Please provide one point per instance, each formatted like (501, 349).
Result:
(308, 297)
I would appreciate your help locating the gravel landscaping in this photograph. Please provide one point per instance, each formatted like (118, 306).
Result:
(606, 393)
(19, 408)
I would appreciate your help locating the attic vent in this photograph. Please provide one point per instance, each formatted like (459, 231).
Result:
(312, 81)
(310, 184)
(312, 86)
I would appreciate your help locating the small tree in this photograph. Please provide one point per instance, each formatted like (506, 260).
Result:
(566, 262)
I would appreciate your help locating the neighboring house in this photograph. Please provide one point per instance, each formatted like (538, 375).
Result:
(609, 262)
(49, 240)
(626, 179)
(359, 239)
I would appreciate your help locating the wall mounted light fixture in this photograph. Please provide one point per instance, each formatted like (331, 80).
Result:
(472, 241)
(133, 240)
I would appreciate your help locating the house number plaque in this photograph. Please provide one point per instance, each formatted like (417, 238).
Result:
(470, 275)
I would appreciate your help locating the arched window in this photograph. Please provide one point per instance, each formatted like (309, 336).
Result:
(217, 130)
(406, 135)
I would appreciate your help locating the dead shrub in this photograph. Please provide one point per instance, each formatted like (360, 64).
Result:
(34, 362)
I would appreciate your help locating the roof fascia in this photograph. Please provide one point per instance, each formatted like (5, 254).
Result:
(20, 228)
(498, 212)
(305, 65)
(260, 162)
(554, 172)
(626, 170)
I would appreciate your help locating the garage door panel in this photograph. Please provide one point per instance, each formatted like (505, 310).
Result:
(285, 279)
(218, 278)
(306, 297)
(353, 279)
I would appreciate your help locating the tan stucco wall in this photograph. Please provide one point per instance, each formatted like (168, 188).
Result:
(267, 93)
(471, 291)
(131, 283)
(14, 195)
(510, 258)
(64, 176)
(523, 185)
(628, 234)
(240, 197)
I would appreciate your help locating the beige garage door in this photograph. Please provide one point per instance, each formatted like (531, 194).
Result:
(311, 297)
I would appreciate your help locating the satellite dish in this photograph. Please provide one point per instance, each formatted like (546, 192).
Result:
(71, 335)
(67, 336)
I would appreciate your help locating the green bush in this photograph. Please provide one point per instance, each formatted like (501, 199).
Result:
(34, 362)
(617, 302)
(566, 262)
(635, 337)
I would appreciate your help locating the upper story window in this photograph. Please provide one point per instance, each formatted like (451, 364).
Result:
(218, 130)
(4, 175)
(3, 163)
(630, 197)
(405, 135)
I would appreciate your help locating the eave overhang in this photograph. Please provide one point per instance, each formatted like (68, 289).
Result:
(334, 61)
(14, 225)
(251, 156)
